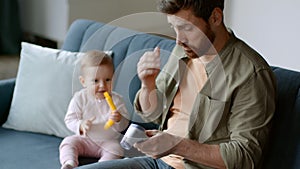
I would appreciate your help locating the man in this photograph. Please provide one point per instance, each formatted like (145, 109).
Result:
(214, 100)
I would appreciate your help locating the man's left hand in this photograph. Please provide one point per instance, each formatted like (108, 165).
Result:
(159, 144)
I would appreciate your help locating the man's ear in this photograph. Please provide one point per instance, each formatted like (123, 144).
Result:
(82, 81)
(216, 17)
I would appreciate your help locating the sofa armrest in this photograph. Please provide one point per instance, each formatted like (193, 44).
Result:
(6, 94)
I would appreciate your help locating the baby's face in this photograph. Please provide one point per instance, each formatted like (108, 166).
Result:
(98, 79)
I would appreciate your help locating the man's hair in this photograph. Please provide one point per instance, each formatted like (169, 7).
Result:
(200, 8)
(95, 58)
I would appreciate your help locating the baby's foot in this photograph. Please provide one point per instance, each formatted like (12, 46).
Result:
(68, 165)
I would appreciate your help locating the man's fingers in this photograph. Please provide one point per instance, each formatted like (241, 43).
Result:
(148, 64)
(148, 67)
(148, 72)
(151, 133)
(151, 56)
(157, 51)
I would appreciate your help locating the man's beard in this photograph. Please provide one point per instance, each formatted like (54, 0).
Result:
(192, 53)
(206, 48)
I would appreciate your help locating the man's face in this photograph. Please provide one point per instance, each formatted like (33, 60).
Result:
(192, 33)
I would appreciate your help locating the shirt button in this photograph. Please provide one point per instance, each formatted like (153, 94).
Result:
(177, 84)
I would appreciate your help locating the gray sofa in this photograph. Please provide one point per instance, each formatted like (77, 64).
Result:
(21, 149)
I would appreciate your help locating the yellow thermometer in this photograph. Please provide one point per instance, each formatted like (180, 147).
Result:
(112, 106)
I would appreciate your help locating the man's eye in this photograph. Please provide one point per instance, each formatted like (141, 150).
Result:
(187, 28)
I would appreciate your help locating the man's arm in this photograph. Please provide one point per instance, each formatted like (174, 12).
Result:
(250, 121)
(162, 143)
(148, 69)
(205, 154)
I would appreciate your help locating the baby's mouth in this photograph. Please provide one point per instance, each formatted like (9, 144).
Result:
(100, 94)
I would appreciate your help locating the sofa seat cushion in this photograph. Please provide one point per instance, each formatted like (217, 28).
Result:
(29, 150)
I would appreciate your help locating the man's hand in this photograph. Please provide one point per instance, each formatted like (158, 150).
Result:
(159, 144)
(85, 125)
(148, 68)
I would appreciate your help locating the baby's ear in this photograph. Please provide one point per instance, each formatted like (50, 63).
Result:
(82, 81)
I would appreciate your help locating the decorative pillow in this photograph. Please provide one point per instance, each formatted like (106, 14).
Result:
(46, 81)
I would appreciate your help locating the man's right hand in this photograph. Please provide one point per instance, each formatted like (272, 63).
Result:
(148, 68)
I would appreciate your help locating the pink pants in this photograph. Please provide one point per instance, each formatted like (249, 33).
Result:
(73, 146)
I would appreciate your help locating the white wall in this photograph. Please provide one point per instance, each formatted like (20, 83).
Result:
(108, 10)
(272, 27)
(47, 18)
(139, 15)
(51, 18)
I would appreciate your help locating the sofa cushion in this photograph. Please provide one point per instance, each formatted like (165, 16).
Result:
(28, 150)
(297, 131)
(45, 83)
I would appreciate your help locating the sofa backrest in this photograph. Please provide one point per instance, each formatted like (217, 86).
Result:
(284, 147)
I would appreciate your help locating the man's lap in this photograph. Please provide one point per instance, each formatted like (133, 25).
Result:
(143, 162)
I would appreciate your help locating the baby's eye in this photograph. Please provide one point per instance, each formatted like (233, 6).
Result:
(96, 81)
(108, 80)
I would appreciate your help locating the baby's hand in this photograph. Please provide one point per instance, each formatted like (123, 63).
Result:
(115, 116)
(85, 125)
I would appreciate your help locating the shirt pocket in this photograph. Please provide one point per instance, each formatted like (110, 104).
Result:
(208, 117)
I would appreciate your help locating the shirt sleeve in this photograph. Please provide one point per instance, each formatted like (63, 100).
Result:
(252, 110)
(150, 116)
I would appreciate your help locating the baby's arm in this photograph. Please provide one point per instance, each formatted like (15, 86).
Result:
(73, 122)
(116, 113)
(115, 116)
(73, 118)
(123, 116)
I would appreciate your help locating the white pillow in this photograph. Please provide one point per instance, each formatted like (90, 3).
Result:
(45, 83)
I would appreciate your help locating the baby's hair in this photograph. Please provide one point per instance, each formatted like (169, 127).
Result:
(95, 58)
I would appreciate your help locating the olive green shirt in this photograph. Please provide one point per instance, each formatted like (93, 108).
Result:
(234, 109)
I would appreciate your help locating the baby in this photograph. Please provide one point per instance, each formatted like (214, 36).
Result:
(88, 112)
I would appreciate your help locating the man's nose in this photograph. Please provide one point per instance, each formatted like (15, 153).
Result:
(180, 38)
